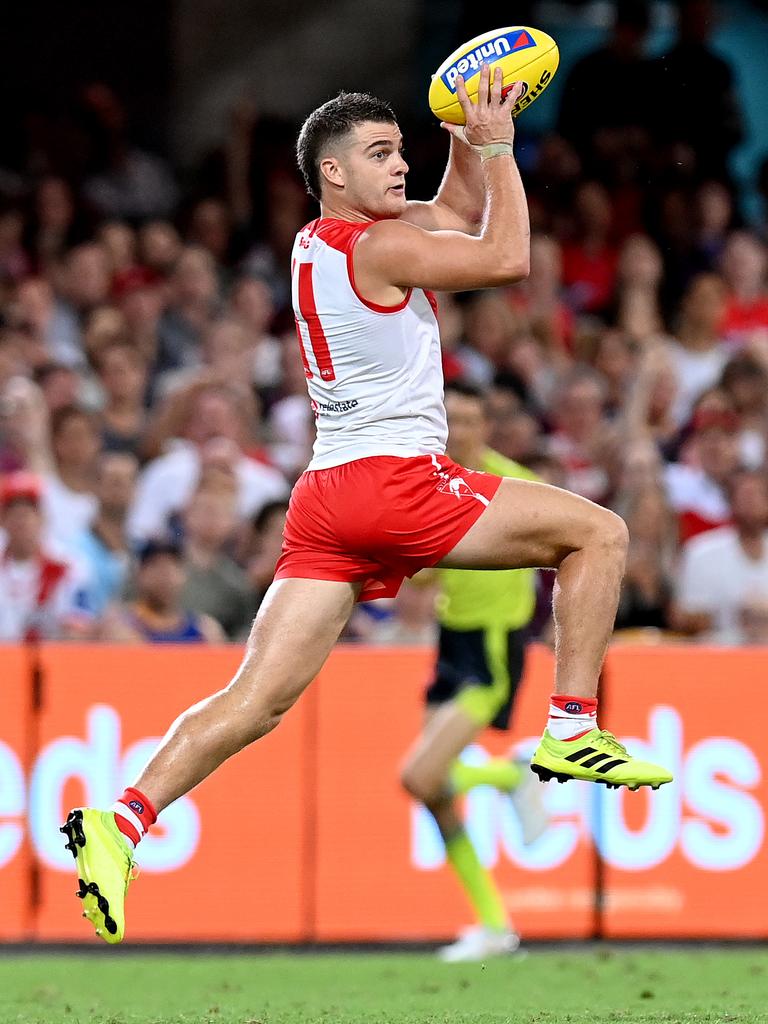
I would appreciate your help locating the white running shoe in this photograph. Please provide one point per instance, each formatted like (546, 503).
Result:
(529, 806)
(479, 943)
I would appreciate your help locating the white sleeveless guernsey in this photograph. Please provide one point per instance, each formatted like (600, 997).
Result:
(374, 373)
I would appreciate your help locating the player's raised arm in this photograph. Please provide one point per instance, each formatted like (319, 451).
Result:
(397, 254)
(458, 205)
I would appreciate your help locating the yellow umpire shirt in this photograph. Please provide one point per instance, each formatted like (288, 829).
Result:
(479, 599)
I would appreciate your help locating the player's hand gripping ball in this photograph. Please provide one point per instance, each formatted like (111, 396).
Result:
(525, 55)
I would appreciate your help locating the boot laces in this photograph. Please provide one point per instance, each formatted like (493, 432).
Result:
(609, 742)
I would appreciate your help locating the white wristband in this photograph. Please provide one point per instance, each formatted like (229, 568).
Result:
(487, 151)
(496, 149)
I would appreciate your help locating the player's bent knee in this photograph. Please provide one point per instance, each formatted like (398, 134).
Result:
(410, 780)
(614, 534)
(261, 712)
(602, 529)
(421, 786)
(270, 710)
(414, 782)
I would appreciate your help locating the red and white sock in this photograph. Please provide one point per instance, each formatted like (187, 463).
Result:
(134, 815)
(570, 717)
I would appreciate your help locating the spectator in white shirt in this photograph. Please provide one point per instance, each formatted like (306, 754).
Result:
(70, 483)
(723, 571)
(61, 448)
(250, 303)
(698, 353)
(40, 595)
(214, 432)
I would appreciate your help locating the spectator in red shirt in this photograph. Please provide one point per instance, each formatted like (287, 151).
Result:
(744, 266)
(589, 262)
(159, 246)
(120, 244)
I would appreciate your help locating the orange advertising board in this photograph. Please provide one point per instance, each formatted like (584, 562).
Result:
(690, 859)
(307, 835)
(17, 882)
(381, 866)
(225, 862)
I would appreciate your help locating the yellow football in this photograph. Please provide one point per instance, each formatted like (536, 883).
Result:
(526, 55)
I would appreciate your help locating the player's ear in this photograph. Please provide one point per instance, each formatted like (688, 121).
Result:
(332, 172)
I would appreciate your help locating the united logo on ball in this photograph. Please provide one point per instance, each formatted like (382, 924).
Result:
(524, 54)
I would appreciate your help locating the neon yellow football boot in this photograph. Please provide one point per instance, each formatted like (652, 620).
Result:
(597, 756)
(105, 867)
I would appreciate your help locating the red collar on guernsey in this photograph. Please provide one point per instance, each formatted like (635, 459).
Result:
(342, 235)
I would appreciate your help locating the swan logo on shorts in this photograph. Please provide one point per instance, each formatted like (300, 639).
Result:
(471, 62)
(456, 485)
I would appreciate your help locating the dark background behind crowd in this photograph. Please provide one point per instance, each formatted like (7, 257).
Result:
(153, 411)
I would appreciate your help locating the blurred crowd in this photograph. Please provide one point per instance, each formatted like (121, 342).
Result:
(153, 410)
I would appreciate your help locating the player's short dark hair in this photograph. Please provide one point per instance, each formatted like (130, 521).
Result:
(331, 122)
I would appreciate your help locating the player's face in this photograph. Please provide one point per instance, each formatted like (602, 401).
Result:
(375, 170)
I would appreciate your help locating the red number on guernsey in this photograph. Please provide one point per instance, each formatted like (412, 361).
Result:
(305, 364)
(317, 339)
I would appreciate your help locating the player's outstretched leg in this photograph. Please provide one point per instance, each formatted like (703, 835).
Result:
(426, 775)
(531, 524)
(273, 674)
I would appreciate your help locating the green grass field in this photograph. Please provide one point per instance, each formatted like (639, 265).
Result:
(545, 987)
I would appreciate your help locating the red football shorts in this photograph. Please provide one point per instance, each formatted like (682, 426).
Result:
(375, 521)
